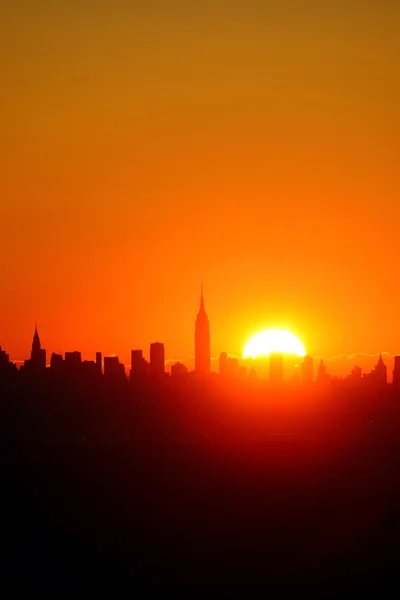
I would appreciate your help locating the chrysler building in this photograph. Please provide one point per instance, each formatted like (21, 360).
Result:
(202, 340)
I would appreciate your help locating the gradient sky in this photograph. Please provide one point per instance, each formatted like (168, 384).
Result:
(148, 146)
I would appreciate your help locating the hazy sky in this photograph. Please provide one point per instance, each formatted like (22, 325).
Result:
(148, 146)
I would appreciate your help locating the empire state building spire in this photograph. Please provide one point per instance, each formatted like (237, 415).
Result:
(202, 340)
(201, 299)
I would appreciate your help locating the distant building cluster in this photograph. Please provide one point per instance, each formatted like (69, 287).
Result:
(229, 367)
(6, 366)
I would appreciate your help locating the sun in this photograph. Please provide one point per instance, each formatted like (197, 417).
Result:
(273, 340)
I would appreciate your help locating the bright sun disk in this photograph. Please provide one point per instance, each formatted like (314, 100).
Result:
(273, 340)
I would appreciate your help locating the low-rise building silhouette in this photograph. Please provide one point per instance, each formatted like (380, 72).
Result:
(113, 369)
(178, 369)
(355, 376)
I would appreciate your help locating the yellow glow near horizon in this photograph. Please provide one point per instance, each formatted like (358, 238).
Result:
(273, 340)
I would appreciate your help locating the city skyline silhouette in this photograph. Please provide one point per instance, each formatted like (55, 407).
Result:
(302, 368)
(141, 159)
(230, 466)
(339, 365)
(236, 440)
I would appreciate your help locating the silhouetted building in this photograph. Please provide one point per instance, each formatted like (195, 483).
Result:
(378, 375)
(73, 360)
(157, 359)
(113, 369)
(307, 370)
(37, 362)
(322, 376)
(99, 362)
(276, 367)
(355, 375)
(381, 371)
(202, 340)
(139, 365)
(56, 362)
(6, 366)
(90, 368)
(4, 358)
(178, 369)
(396, 371)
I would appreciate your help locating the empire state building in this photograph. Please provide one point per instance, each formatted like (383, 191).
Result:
(202, 340)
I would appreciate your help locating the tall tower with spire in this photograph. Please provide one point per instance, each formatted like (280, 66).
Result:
(38, 354)
(202, 340)
(36, 346)
(379, 374)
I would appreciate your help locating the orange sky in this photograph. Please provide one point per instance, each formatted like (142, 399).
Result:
(251, 145)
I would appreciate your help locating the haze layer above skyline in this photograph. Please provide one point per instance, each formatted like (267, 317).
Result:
(251, 145)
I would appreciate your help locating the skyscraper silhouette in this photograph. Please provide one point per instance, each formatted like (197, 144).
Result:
(38, 354)
(307, 370)
(355, 376)
(378, 375)
(113, 369)
(4, 358)
(202, 340)
(157, 359)
(381, 371)
(396, 371)
(6, 366)
(56, 362)
(139, 364)
(73, 359)
(99, 362)
(322, 376)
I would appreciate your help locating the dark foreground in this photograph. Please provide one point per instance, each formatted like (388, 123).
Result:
(209, 518)
(215, 505)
